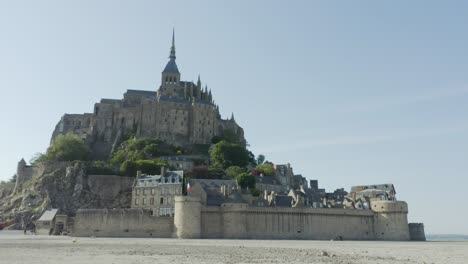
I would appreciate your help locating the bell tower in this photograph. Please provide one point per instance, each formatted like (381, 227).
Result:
(170, 76)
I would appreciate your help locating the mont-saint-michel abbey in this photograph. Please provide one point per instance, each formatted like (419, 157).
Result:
(164, 163)
(179, 112)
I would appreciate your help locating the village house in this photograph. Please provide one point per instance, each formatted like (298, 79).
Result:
(156, 192)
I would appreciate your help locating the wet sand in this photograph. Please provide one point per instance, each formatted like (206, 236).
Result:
(18, 248)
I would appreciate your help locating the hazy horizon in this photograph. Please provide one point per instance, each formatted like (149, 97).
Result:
(348, 94)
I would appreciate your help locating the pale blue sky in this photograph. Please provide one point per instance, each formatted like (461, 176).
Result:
(348, 92)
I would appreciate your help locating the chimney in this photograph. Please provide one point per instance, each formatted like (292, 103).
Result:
(138, 175)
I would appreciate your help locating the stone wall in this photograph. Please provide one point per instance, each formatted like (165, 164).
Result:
(121, 223)
(240, 221)
(416, 231)
(391, 222)
(244, 222)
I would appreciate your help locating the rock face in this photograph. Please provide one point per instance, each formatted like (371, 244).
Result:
(64, 186)
(6, 189)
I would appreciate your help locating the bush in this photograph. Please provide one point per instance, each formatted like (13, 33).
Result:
(227, 154)
(215, 173)
(151, 167)
(143, 149)
(148, 167)
(246, 180)
(68, 147)
(38, 157)
(129, 168)
(233, 171)
(101, 168)
(266, 168)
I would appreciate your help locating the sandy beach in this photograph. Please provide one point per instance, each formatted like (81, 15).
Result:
(18, 248)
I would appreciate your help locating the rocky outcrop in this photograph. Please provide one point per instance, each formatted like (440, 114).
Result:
(6, 188)
(63, 186)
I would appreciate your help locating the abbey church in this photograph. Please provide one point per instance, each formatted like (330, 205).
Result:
(179, 112)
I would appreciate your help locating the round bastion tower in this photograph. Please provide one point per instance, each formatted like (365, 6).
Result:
(391, 220)
(187, 218)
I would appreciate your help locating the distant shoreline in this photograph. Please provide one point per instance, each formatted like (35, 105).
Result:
(447, 237)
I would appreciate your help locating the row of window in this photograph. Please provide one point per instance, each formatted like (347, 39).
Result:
(152, 191)
(162, 200)
(171, 79)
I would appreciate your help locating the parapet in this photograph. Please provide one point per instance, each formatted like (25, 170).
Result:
(234, 207)
(389, 206)
(193, 199)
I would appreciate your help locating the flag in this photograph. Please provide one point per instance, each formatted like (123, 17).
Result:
(188, 187)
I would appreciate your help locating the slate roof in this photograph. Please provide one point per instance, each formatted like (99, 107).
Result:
(214, 200)
(141, 93)
(214, 184)
(171, 67)
(48, 215)
(266, 180)
(173, 177)
(283, 201)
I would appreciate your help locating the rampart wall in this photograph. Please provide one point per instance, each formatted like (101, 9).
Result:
(240, 221)
(121, 223)
(243, 222)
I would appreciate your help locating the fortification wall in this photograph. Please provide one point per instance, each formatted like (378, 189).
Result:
(391, 221)
(416, 231)
(244, 222)
(121, 223)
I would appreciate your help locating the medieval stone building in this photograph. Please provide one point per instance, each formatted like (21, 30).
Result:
(179, 112)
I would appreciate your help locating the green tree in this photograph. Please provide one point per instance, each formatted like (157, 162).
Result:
(246, 180)
(129, 168)
(227, 154)
(148, 167)
(151, 150)
(266, 168)
(233, 171)
(260, 159)
(101, 167)
(151, 167)
(68, 147)
(38, 157)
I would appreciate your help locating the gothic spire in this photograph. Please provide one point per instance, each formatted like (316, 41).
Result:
(172, 54)
(171, 66)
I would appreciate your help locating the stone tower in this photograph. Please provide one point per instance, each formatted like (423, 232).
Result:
(170, 77)
(391, 220)
(187, 217)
